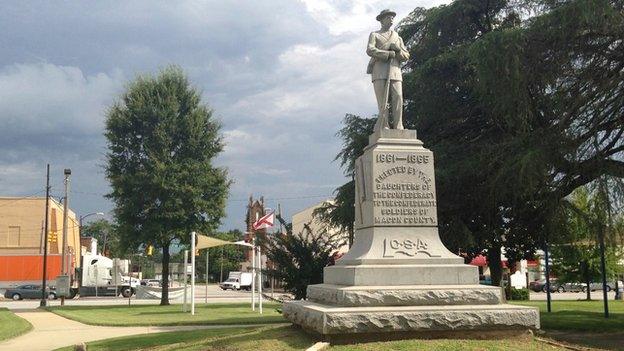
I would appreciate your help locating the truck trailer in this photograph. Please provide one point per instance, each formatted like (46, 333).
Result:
(102, 276)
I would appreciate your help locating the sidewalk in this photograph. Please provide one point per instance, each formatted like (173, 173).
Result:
(51, 331)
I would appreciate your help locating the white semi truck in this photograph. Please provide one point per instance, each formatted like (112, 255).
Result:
(237, 281)
(102, 276)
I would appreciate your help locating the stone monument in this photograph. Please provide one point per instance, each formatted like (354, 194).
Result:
(398, 278)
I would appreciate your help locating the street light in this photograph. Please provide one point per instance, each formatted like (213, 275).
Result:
(85, 216)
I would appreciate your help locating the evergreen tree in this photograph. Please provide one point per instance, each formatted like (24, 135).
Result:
(521, 102)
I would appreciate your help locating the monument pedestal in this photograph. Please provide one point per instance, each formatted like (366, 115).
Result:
(398, 277)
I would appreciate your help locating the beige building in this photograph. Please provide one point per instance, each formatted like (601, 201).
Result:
(22, 229)
(306, 216)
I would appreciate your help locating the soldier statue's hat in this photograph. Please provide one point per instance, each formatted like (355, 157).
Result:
(385, 13)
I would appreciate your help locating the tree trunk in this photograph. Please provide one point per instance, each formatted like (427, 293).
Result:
(494, 262)
(585, 265)
(164, 298)
(351, 237)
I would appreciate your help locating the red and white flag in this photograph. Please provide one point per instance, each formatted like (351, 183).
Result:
(265, 221)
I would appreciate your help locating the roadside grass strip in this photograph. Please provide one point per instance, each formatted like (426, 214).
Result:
(12, 325)
(585, 316)
(288, 338)
(151, 315)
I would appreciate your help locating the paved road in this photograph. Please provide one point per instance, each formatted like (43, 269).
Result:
(51, 331)
(215, 295)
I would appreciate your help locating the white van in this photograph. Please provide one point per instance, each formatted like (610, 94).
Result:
(237, 281)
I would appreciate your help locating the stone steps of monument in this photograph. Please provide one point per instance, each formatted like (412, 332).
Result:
(406, 274)
(327, 319)
(405, 295)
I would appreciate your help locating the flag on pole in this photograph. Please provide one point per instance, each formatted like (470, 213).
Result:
(265, 221)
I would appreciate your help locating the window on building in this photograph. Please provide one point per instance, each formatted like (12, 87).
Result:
(14, 236)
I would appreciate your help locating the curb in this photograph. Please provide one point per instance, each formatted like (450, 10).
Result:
(319, 346)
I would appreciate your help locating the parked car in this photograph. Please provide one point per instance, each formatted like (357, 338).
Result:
(598, 286)
(29, 291)
(540, 285)
(571, 287)
(153, 282)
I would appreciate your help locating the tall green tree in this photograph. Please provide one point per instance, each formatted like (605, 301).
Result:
(162, 141)
(512, 96)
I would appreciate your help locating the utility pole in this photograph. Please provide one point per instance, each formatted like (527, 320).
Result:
(547, 264)
(221, 275)
(603, 267)
(43, 302)
(64, 264)
(185, 280)
(602, 228)
(207, 267)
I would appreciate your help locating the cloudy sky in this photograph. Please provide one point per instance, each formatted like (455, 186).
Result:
(279, 74)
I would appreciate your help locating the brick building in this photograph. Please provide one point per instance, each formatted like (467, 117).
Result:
(22, 239)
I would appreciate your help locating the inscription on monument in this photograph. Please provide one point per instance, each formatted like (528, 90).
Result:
(403, 189)
(408, 247)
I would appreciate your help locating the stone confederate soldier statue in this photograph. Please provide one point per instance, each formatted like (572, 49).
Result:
(387, 51)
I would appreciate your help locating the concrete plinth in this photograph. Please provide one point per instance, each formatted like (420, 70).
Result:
(324, 319)
(407, 274)
(404, 295)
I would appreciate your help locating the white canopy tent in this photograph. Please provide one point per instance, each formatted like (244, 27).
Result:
(199, 242)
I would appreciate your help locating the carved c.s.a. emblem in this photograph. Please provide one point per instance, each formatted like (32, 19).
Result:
(408, 247)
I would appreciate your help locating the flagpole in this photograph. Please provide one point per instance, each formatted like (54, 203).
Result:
(260, 277)
(265, 222)
(253, 274)
(185, 280)
(207, 266)
(192, 273)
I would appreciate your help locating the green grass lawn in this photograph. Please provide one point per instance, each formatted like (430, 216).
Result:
(287, 338)
(574, 317)
(212, 314)
(587, 316)
(12, 325)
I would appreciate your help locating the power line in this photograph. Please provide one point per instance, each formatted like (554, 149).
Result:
(287, 198)
(237, 200)
(22, 198)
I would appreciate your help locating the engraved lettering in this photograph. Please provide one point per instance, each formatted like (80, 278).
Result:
(394, 244)
(407, 247)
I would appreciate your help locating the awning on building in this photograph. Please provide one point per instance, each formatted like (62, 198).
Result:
(481, 261)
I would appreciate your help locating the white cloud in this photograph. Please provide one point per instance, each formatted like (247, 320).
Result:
(17, 178)
(358, 16)
(46, 98)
